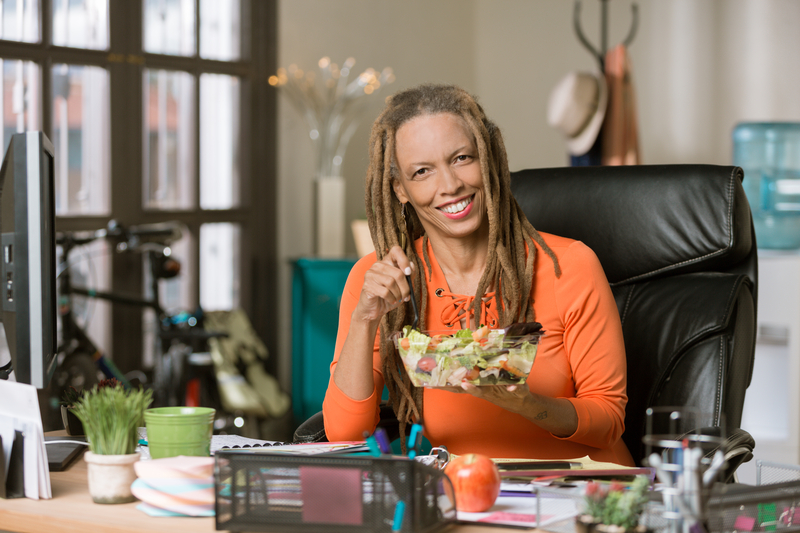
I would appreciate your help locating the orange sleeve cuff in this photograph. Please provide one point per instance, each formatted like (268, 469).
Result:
(590, 421)
(584, 422)
(346, 418)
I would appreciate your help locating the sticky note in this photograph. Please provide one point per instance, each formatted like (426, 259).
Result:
(744, 523)
(331, 495)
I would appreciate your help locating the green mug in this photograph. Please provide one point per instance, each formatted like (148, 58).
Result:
(173, 431)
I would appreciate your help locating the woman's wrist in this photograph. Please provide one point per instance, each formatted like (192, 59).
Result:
(363, 324)
(556, 415)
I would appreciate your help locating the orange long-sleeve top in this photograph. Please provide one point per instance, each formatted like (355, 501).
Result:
(581, 358)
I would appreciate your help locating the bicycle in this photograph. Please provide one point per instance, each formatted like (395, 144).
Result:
(81, 361)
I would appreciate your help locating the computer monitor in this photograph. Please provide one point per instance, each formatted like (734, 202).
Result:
(28, 286)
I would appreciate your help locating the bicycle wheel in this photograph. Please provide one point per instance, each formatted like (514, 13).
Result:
(78, 370)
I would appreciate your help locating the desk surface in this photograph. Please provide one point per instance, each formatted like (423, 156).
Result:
(72, 511)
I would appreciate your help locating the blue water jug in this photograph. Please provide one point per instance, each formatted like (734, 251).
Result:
(769, 153)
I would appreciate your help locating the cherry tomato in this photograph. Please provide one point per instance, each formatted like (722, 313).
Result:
(427, 364)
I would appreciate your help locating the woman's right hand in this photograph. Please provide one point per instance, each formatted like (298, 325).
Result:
(385, 286)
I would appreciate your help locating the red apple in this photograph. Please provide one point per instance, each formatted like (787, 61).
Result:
(476, 481)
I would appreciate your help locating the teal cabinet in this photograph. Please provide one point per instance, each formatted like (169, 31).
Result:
(317, 286)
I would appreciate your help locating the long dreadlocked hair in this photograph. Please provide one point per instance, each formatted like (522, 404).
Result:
(508, 268)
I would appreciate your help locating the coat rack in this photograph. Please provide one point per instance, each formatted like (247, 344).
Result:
(600, 54)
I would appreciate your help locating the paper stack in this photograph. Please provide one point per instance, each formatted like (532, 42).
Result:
(22, 443)
(175, 486)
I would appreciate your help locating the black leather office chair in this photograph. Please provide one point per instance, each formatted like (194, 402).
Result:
(678, 247)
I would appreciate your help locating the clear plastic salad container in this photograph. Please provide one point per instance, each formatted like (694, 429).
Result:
(482, 357)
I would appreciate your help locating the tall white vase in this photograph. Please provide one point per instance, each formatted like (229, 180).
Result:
(329, 223)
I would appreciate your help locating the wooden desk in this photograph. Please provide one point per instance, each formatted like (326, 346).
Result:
(72, 511)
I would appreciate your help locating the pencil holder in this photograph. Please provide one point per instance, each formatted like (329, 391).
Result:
(270, 492)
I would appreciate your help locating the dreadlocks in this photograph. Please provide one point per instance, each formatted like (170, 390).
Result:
(508, 268)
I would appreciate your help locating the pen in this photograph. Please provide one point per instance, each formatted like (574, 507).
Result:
(539, 465)
(399, 510)
(415, 440)
(383, 440)
(373, 444)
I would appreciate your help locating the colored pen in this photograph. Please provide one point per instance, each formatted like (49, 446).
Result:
(374, 449)
(399, 511)
(383, 440)
(415, 440)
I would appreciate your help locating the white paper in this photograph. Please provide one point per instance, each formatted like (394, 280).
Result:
(230, 441)
(19, 405)
(30, 468)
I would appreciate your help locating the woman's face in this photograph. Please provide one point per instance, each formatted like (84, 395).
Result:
(440, 174)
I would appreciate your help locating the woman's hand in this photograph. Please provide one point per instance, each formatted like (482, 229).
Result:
(509, 397)
(556, 415)
(385, 286)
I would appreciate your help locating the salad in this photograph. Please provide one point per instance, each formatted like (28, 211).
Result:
(481, 357)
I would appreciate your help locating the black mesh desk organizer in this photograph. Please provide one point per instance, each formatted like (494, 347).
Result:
(271, 492)
(744, 508)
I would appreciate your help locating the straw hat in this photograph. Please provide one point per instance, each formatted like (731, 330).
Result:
(577, 108)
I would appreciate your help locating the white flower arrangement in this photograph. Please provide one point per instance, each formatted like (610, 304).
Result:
(331, 104)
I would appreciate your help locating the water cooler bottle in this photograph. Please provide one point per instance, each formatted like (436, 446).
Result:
(769, 153)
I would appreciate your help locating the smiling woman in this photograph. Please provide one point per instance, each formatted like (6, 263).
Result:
(441, 213)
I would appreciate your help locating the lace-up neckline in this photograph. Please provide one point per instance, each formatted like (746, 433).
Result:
(461, 308)
(455, 307)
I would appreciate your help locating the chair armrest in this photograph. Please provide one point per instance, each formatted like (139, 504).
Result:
(312, 430)
(738, 448)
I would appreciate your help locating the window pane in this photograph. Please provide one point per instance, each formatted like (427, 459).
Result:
(169, 157)
(219, 141)
(169, 27)
(219, 266)
(220, 29)
(81, 24)
(90, 267)
(19, 20)
(20, 99)
(175, 293)
(81, 132)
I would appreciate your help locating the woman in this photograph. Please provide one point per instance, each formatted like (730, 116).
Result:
(440, 209)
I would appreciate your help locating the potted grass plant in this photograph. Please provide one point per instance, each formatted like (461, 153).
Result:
(111, 416)
(613, 508)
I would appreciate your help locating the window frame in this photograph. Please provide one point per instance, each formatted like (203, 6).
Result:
(125, 62)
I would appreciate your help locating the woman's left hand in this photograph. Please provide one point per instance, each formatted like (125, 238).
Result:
(509, 397)
(556, 415)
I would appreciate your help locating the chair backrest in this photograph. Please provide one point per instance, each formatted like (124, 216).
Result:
(679, 251)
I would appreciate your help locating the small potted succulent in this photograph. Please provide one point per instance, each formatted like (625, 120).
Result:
(613, 508)
(68, 400)
(111, 416)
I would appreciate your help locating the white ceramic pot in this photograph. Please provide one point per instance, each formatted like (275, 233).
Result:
(111, 476)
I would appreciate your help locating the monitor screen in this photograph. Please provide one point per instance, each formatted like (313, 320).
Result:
(27, 225)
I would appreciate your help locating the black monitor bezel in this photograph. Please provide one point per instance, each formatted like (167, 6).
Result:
(27, 225)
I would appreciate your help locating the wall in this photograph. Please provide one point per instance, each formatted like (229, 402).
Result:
(423, 41)
(699, 67)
